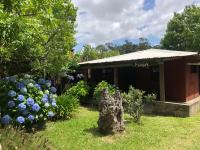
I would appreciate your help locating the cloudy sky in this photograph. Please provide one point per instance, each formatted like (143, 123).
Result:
(102, 21)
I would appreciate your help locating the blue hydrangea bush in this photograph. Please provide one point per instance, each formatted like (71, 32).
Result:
(25, 101)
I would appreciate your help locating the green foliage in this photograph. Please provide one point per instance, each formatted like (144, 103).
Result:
(129, 47)
(36, 36)
(110, 49)
(98, 90)
(183, 30)
(66, 105)
(90, 53)
(79, 90)
(134, 101)
(149, 98)
(11, 138)
(69, 101)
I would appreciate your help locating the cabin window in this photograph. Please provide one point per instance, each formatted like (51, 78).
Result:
(193, 69)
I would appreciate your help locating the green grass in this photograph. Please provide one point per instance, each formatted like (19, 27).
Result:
(12, 139)
(155, 133)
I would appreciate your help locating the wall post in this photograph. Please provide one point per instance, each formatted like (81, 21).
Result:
(162, 81)
(116, 76)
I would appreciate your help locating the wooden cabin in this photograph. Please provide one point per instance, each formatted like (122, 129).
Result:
(172, 75)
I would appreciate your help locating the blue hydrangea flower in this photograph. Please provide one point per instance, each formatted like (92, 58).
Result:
(30, 101)
(71, 78)
(41, 81)
(12, 93)
(20, 119)
(31, 117)
(38, 86)
(53, 104)
(50, 114)
(45, 95)
(53, 100)
(20, 85)
(44, 100)
(79, 76)
(23, 90)
(46, 105)
(6, 119)
(53, 90)
(21, 107)
(48, 83)
(11, 104)
(36, 107)
(20, 98)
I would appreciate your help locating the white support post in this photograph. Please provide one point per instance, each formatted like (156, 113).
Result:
(162, 81)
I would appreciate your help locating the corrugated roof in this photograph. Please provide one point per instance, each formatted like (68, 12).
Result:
(141, 55)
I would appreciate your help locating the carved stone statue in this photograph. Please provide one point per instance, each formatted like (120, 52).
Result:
(111, 113)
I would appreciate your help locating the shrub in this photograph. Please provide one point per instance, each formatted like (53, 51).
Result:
(26, 102)
(66, 105)
(134, 101)
(69, 101)
(150, 98)
(99, 88)
(79, 90)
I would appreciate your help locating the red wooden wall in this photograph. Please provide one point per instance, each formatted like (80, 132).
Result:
(192, 84)
(181, 84)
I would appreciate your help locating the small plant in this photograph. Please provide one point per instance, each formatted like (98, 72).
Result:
(69, 101)
(99, 88)
(79, 90)
(134, 102)
(66, 105)
(149, 98)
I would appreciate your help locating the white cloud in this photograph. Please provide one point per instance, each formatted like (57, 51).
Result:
(108, 20)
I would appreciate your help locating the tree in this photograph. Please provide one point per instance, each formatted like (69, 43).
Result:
(91, 53)
(143, 44)
(88, 53)
(110, 49)
(36, 36)
(183, 31)
(128, 47)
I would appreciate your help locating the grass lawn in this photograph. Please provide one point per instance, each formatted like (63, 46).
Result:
(155, 132)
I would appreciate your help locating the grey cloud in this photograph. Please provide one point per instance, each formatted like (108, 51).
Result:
(108, 20)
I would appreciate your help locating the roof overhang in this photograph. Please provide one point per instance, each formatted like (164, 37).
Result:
(140, 58)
